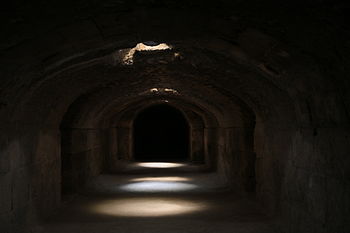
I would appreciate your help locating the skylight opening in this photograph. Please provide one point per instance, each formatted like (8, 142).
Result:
(128, 58)
(163, 90)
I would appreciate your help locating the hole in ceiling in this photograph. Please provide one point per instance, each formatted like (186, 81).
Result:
(128, 54)
(163, 90)
(150, 43)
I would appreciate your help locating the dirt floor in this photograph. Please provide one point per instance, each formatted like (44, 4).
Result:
(158, 198)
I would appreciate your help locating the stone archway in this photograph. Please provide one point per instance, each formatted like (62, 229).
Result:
(161, 132)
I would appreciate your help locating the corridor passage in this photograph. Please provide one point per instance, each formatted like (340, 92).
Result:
(158, 197)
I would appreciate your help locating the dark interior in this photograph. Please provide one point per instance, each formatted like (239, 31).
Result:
(134, 111)
(161, 133)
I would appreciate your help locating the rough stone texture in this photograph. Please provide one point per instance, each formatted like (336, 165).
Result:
(5, 193)
(83, 152)
(277, 71)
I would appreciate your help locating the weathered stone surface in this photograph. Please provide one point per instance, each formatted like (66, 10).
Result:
(5, 193)
(268, 81)
(5, 162)
(20, 189)
(5, 223)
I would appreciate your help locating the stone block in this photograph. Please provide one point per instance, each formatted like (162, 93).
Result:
(5, 162)
(340, 147)
(13, 154)
(110, 26)
(84, 140)
(124, 138)
(302, 148)
(78, 141)
(5, 223)
(5, 193)
(75, 33)
(316, 196)
(328, 111)
(20, 189)
(47, 148)
(337, 200)
(19, 219)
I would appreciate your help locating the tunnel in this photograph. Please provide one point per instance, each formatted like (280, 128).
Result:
(160, 133)
(175, 116)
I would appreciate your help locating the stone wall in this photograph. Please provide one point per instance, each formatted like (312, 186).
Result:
(30, 178)
(287, 64)
(237, 158)
(83, 156)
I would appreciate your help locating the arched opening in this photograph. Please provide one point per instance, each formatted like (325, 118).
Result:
(161, 133)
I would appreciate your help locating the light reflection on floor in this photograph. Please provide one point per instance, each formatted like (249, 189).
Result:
(150, 206)
(157, 186)
(140, 200)
(149, 179)
(161, 178)
(147, 207)
(159, 165)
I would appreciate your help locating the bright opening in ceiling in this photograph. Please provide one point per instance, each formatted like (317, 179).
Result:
(128, 54)
(163, 90)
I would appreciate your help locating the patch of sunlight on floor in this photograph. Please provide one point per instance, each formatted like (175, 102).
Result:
(147, 207)
(157, 186)
(159, 165)
(163, 178)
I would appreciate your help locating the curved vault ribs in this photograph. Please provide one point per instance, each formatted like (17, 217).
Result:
(66, 73)
(226, 50)
(127, 114)
(95, 109)
(182, 80)
(100, 80)
(121, 111)
(201, 125)
(218, 110)
(229, 119)
(198, 129)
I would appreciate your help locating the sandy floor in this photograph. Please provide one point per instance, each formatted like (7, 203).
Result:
(167, 201)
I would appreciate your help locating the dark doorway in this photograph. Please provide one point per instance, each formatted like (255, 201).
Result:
(161, 133)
